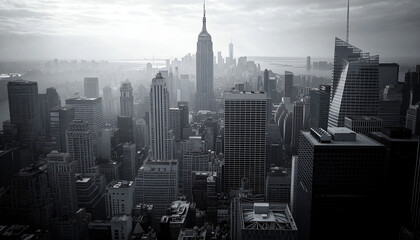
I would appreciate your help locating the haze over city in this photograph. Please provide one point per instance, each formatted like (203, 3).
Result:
(115, 30)
(209, 120)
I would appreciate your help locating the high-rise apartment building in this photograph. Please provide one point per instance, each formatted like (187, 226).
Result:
(126, 99)
(354, 86)
(204, 70)
(62, 180)
(245, 139)
(24, 110)
(91, 87)
(159, 118)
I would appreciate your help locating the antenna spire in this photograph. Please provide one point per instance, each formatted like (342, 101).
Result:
(204, 7)
(348, 11)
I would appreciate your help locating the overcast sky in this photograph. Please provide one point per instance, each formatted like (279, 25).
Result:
(135, 29)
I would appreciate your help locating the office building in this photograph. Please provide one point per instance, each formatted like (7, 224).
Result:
(288, 84)
(204, 191)
(80, 146)
(182, 214)
(287, 129)
(159, 118)
(74, 227)
(60, 119)
(319, 106)
(141, 134)
(121, 227)
(107, 140)
(401, 149)
(128, 167)
(91, 87)
(62, 179)
(412, 119)
(266, 221)
(195, 157)
(89, 110)
(47, 101)
(108, 102)
(297, 123)
(245, 139)
(126, 99)
(340, 175)
(278, 185)
(308, 63)
(125, 129)
(388, 74)
(90, 197)
(31, 199)
(363, 124)
(119, 198)
(157, 184)
(354, 86)
(24, 110)
(266, 78)
(204, 70)
(175, 122)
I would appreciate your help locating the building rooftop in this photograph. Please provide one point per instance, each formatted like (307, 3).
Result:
(81, 99)
(235, 94)
(266, 216)
(120, 184)
(359, 140)
(363, 118)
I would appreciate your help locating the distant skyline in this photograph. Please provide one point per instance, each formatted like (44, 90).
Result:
(110, 29)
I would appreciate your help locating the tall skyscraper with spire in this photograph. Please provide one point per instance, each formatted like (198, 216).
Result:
(204, 69)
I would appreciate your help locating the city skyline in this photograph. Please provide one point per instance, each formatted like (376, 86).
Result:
(109, 30)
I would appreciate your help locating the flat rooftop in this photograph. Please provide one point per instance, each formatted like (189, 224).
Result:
(361, 140)
(266, 216)
(121, 184)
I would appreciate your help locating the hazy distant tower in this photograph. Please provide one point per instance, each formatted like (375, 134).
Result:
(126, 99)
(91, 87)
(204, 69)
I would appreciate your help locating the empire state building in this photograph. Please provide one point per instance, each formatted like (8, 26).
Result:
(204, 69)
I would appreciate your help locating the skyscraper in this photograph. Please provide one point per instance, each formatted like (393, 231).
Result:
(24, 110)
(126, 99)
(320, 103)
(159, 114)
(80, 146)
(204, 70)
(231, 52)
(62, 180)
(245, 139)
(266, 78)
(108, 102)
(91, 87)
(128, 168)
(60, 119)
(157, 184)
(47, 101)
(340, 176)
(354, 90)
(288, 84)
(297, 123)
(89, 110)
